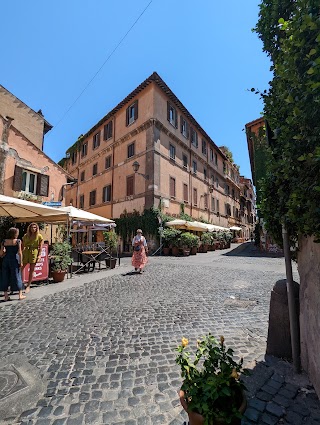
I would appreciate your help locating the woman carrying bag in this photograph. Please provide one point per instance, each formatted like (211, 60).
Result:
(140, 248)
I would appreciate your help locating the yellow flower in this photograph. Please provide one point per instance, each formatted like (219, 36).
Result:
(234, 374)
(222, 339)
(184, 342)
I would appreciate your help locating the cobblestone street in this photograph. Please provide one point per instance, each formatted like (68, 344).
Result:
(105, 348)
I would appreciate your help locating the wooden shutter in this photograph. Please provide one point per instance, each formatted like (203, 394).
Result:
(42, 184)
(168, 111)
(188, 130)
(176, 119)
(195, 196)
(105, 132)
(127, 117)
(130, 185)
(172, 187)
(17, 179)
(181, 124)
(185, 192)
(110, 129)
(135, 110)
(98, 141)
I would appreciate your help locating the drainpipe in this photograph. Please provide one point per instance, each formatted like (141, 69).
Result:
(293, 314)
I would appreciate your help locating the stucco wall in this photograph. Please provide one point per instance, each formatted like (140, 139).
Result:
(309, 271)
(27, 121)
(25, 154)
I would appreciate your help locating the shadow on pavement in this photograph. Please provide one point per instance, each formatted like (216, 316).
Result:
(248, 249)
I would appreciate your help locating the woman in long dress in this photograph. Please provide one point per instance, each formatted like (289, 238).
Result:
(11, 264)
(140, 248)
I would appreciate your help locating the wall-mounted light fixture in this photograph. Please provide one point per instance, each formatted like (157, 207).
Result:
(136, 167)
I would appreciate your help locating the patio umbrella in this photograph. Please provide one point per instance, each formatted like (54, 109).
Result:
(25, 210)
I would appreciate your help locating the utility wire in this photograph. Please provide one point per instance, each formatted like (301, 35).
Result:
(94, 76)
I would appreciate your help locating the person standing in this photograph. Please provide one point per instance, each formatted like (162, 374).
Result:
(12, 264)
(140, 248)
(32, 243)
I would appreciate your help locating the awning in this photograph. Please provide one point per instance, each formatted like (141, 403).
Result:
(195, 225)
(235, 228)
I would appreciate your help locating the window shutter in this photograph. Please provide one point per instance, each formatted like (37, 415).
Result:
(185, 192)
(17, 179)
(42, 184)
(98, 141)
(181, 124)
(176, 119)
(135, 110)
(105, 132)
(188, 130)
(110, 129)
(168, 111)
(127, 116)
(130, 185)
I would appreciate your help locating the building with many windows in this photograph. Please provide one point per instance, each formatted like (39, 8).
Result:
(150, 151)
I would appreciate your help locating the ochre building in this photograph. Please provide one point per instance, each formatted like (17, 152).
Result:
(150, 151)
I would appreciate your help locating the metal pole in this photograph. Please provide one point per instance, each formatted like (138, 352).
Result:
(293, 314)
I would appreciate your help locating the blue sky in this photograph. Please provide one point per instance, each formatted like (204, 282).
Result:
(204, 51)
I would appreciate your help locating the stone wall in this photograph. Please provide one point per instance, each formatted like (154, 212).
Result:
(309, 270)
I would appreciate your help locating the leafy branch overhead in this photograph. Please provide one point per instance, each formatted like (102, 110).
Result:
(290, 33)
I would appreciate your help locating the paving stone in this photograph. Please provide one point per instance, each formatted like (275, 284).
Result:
(275, 409)
(257, 404)
(267, 419)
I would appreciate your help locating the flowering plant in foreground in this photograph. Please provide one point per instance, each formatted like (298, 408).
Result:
(211, 382)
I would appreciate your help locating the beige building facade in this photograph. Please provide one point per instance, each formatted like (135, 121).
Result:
(26, 172)
(150, 151)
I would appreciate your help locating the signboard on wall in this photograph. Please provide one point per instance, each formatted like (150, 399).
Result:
(41, 270)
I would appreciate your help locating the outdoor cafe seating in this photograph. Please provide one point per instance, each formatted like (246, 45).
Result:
(85, 257)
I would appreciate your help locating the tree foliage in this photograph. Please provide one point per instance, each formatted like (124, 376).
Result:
(290, 32)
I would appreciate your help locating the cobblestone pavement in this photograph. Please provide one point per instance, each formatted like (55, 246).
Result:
(106, 348)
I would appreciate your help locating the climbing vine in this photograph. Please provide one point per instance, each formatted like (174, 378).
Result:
(290, 32)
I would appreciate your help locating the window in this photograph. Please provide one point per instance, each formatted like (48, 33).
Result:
(95, 169)
(224, 168)
(227, 209)
(106, 193)
(205, 174)
(172, 151)
(216, 159)
(217, 204)
(172, 115)
(108, 162)
(194, 167)
(107, 134)
(172, 187)
(234, 211)
(227, 190)
(217, 183)
(84, 149)
(29, 182)
(130, 185)
(211, 155)
(81, 201)
(92, 198)
(212, 204)
(195, 197)
(96, 140)
(185, 192)
(194, 138)
(212, 179)
(204, 147)
(184, 127)
(132, 113)
(233, 193)
(74, 157)
(205, 199)
(131, 150)
(185, 161)
(82, 175)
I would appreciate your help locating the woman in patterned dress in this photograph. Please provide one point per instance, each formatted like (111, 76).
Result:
(140, 248)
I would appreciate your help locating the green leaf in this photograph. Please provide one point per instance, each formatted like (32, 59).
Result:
(310, 71)
(312, 52)
(281, 21)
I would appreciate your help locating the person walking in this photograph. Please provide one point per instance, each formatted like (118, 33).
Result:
(140, 249)
(32, 243)
(11, 264)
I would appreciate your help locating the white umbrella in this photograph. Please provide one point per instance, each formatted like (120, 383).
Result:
(84, 216)
(25, 210)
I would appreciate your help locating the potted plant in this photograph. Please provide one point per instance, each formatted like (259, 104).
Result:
(170, 238)
(228, 237)
(211, 393)
(213, 240)
(60, 260)
(111, 241)
(186, 242)
(195, 244)
(205, 241)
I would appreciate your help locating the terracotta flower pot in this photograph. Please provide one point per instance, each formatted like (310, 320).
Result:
(58, 276)
(197, 419)
(193, 250)
(175, 251)
(166, 251)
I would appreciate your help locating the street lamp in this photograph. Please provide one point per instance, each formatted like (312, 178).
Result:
(136, 167)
